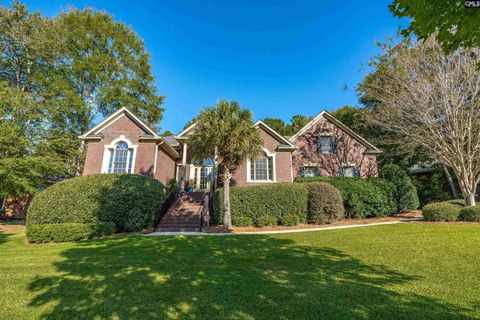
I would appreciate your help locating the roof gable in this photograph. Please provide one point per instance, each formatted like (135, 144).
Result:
(284, 141)
(95, 131)
(324, 114)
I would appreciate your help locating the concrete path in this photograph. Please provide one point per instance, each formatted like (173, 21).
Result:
(281, 231)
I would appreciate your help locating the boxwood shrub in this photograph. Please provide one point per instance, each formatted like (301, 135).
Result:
(290, 220)
(362, 197)
(470, 214)
(129, 201)
(64, 232)
(266, 220)
(242, 221)
(278, 200)
(441, 211)
(324, 203)
(405, 193)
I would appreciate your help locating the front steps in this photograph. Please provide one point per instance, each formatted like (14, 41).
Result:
(184, 215)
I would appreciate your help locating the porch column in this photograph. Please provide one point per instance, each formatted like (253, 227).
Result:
(184, 166)
(184, 154)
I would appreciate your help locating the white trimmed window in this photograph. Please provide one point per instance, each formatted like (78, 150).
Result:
(119, 157)
(262, 169)
(349, 171)
(311, 171)
(326, 144)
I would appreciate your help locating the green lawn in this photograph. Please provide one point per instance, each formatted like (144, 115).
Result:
(423, 271)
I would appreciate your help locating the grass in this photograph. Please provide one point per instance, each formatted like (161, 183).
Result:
(406, 271)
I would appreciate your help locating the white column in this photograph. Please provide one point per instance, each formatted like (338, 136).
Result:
(184, 154)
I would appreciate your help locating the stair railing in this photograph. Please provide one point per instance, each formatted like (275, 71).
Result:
(205, 208)
(170, 199)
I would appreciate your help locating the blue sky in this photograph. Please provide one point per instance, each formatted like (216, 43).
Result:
(277, 57)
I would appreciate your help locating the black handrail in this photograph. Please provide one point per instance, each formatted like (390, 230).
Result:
(167, 203)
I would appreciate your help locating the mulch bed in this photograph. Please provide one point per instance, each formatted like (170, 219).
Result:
(346, 222)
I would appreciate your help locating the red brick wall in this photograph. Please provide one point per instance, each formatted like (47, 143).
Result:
(349, 150)
(144, 156)
(283, 164)
(165, 166)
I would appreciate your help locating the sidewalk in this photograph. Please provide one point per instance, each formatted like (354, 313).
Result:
(282, 231)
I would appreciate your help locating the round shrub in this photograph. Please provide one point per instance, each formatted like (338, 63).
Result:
(470, 214)
(325, 203)
(441, 211)
(266, 221)
(242, 221)
(405, 193)
(458, 202)
(290, 220)
(129, 201)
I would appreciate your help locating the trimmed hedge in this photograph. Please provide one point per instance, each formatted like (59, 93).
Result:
(470, 214)
(277, 199)
(242, 221)
(289, 220)
(324, 203)
(405, 193)
(361, 197)
(441, 211)
(130, 201)
(64, 232)
(266, 220)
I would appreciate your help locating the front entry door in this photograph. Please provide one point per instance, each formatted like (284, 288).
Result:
(202, 178)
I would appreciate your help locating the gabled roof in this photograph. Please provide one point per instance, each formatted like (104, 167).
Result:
(183, 134)
(286, 144)
(112, 118)
(279, 137)
(94, 133)
(331, 118)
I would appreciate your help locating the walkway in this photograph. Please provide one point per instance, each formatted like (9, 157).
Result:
(283, 231)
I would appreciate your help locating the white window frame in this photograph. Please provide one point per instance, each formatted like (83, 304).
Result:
(349, 165)
(314, 167)
(109, 148)
(268, 154)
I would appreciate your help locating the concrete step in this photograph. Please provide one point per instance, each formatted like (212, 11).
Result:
(178, 230)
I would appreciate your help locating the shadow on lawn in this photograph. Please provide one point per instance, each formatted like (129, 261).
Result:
(4, 236)
(224, 277)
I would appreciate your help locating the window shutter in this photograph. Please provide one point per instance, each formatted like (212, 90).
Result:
(334, 145)
(357, 172)
(302, 170)
(317, 171)
(319, 144)
(340, 171)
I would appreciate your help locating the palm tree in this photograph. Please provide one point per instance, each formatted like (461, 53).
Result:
(226, 132)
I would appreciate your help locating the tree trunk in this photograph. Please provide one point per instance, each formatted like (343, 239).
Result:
(227, 218)
(79, 158)
(453, 187)
(470, 199)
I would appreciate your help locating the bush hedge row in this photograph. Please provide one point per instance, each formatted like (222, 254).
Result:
(130, 202)
(362, 197)
(277, 200)
(64, 232)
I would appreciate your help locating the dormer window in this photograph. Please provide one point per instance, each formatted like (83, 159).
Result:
(326, 144)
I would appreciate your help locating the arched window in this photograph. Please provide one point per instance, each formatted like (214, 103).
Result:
(262, 169)
(121, 159)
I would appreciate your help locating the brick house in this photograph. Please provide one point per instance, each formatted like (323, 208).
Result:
(122, 143)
